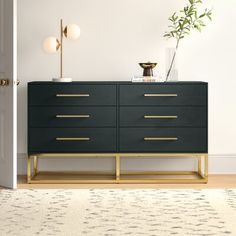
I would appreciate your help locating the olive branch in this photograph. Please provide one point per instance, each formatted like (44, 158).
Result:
(182, 24)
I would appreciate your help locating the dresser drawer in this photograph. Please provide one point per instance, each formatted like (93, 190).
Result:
(71, 94)
(72, 116)
(163, 94)
(166, 140)
(71, 140)
(163, 116)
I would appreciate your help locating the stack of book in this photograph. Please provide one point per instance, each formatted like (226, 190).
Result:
(145, 79)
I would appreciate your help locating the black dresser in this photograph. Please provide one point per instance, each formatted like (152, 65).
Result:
(120, 119)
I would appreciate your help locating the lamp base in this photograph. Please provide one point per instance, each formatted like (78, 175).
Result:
(62, 80)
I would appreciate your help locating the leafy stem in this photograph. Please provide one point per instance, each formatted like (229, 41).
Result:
(182, 24)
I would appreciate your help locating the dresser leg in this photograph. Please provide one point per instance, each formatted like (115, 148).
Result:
(117, 167)
(35, 165)
(206, 166)
(29, 169)
(199, 164)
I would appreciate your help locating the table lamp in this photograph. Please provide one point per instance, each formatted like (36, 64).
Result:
(52, 45)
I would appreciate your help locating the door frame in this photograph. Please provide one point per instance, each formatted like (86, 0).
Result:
(9, 21)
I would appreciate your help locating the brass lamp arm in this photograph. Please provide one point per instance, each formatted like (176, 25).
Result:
(61, 49)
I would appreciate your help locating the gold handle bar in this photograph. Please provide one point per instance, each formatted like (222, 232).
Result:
(73, 139)
(73, 95)
(159, 139)
(72, 116)
(160, 117)
(160, 95)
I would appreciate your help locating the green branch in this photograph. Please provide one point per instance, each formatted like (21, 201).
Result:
(182, 24)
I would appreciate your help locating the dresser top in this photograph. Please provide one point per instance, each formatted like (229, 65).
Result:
(118, 82)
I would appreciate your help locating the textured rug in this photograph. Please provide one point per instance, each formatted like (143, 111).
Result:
(97, 212)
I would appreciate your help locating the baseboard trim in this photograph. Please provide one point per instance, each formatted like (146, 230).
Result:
(222, 155)
(218, 164)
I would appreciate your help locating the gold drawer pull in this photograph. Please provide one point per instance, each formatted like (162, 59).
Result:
(160, 95)
(160, 139)
(160, 117)
(72, 116)
(73, 95)
(73, 139)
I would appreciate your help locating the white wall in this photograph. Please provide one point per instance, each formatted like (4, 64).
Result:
(115, 36)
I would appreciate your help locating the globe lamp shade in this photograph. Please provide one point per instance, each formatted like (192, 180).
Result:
(72, 31)
(51, 45)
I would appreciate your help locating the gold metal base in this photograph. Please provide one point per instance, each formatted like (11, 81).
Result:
(200, 175)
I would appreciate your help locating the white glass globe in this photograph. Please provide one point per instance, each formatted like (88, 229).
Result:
(72, 31)
(50, 45)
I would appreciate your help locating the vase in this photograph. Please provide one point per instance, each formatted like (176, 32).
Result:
(173, 76)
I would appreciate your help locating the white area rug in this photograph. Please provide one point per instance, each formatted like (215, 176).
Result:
(97, 212)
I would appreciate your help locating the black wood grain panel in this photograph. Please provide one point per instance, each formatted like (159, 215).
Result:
(114, 82)
(44, 140)
(186, 95)
(46, 94)
(181, 116)
(47, 116)
(116, 122)
(189, 140)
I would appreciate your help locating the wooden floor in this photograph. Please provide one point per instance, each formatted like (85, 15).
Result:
(215, 181)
